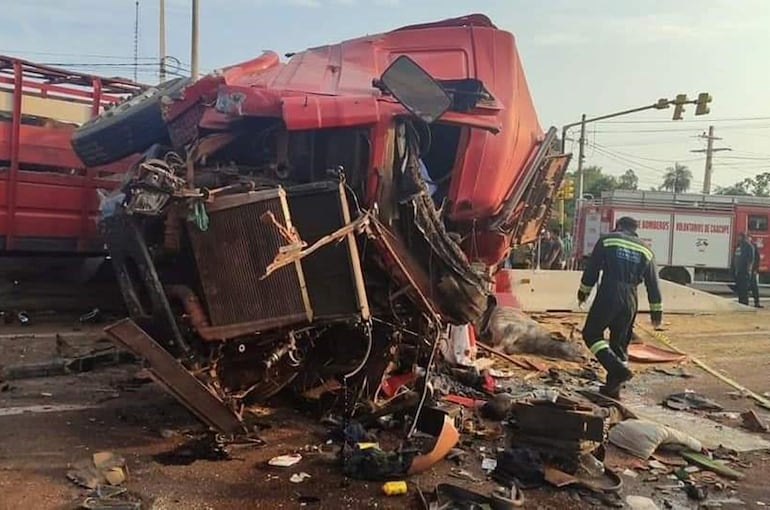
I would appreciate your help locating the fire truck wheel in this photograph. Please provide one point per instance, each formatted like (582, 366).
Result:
(126, 128)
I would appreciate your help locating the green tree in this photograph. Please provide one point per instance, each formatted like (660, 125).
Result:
(758, 186)
(628, 181)
(677, 179)
(594, 183)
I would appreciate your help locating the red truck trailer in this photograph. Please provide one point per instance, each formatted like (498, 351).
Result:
(48, 199)
(692, 235)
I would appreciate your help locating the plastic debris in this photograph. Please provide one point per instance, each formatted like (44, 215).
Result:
(394, 488)
(299, 477)
(640, 503)
(285, 460)
(642, 438)
(488, 464)
(690, 400)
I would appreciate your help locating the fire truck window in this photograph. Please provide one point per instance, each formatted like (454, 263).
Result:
(758, 222)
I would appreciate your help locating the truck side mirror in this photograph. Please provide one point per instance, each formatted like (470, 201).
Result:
(415, 89)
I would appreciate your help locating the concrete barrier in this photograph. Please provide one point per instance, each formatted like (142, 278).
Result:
(544, 291)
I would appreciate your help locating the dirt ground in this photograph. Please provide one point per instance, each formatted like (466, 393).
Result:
(40, 438)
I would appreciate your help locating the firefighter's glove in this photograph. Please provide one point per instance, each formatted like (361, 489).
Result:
(582, 296)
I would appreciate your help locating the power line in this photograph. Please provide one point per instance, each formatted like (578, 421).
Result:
(656, 160)
(627, 161)
(79, 55)
(678, 130)
(733, 119)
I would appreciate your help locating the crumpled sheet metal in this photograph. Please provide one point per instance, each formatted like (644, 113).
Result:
(645, 353)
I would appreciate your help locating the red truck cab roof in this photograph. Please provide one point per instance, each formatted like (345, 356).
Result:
(331, 86)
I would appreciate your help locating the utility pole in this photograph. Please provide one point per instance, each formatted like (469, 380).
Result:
(709, 150)
(162, 42)
(581, 156)
(194, 42)
(136, 41)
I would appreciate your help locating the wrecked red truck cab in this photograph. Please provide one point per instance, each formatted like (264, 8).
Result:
(323, 220)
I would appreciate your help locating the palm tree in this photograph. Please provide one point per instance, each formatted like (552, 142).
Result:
(677, 179)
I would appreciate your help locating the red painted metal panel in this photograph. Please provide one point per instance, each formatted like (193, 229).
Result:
(332, 86)
(45, 192)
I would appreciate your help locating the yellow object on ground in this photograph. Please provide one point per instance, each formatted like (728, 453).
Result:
(394, 488)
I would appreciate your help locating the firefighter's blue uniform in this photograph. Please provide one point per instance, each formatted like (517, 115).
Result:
(625, 262)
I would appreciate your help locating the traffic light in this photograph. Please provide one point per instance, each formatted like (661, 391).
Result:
(702, 104)
(679, 103)
(566, 190)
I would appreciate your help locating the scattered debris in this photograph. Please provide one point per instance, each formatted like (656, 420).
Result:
(712, 465)
(394, 488)
(102, 468)
(645, 353)
(753, 422)
(207, 447)
(516, 333)
(498, 407)
(674, 372)
(298, 477)
(94, 316)
(640, 503)
(23, 318)
(488, 464)
(690, 400)
(452, 496)
(285, 460)
(642, 438)
(106, 497)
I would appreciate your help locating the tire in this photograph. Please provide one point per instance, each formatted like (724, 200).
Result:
(127, 128)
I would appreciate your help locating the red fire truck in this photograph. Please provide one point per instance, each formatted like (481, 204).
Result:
(48, 199)
(692, 235)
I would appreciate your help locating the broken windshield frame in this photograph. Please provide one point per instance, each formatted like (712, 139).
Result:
(415, 89)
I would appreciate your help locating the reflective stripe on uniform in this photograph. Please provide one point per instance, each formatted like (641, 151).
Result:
(599, 346)
(630, 245)
(585, 289)
(656, 307)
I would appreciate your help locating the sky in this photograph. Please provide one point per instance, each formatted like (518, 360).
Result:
(588, 56)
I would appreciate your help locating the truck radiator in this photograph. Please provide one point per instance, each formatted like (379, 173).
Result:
(234, 252)
(232, 255)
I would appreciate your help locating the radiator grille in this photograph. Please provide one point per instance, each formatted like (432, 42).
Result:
(232, 255)
(330, 283)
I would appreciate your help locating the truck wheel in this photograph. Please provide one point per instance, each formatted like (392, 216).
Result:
(676, 274)
(127, 128)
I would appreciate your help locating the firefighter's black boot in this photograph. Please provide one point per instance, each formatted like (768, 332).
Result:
(617, 373)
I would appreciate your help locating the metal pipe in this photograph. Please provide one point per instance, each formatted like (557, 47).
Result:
(192, 307)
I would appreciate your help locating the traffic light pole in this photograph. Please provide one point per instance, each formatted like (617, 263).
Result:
(662, 104)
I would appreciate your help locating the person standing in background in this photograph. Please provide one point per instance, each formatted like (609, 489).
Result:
(556, 255)
(741, 266)
(544, 250)
(754, 277)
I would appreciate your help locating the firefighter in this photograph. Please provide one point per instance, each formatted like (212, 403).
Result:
(625, 261)
(743, 261)
(754, 278)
